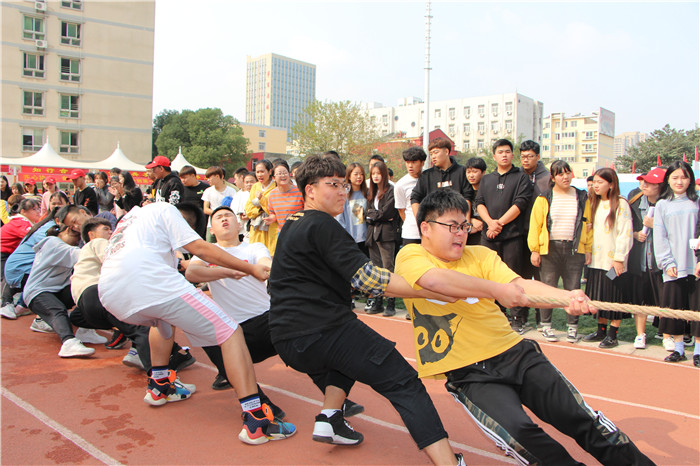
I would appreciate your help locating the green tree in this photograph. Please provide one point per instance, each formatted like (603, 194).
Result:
(207, 136)
(340, 126)
(668, 143)
(158, 122)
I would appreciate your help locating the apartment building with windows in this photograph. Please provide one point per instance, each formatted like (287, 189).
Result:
(585, 141)
(78, 74)
(277, 90)
(265, 138)
(624, 141)
(473, 123)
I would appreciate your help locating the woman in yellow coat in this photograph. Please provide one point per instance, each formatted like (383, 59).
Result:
(256, 208)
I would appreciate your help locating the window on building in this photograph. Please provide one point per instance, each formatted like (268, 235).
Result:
(481, 127)
(385, 120)
(467, 128)
(557, 136)
(32, 139)
(566, 124)
(69, 106)
(33, 65)
(495, 126)
(438, 113)
(545, 135)
(480, 144)
(557, 148)
(70, 33)
(33, 28)
(467, 112)
(68, 142)
(70, 69)
(482, 110)
(465, 145)
(452, 113)
(74, 4)
(545, 148)
(437, 127)
(590, 135)
(261, 146)
(547, 125)
(574, 123)
(451, 130)
(494, 109)
(509, 108)
(33, 103)
(585, 173)
(509, 126)
(557, 124)
(261, 133)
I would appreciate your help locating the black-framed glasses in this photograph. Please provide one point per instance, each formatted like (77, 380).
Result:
(335, 185)
(454, 228)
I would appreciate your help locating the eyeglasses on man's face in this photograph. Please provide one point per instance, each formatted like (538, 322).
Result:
(454, 227)
(337, 185)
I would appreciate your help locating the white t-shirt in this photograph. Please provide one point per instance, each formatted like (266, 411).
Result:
(247, 297)
(214, 197)
(238, 207)
(140, 266)
(402, 200)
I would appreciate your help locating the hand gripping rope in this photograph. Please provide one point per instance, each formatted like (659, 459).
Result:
(631, 308)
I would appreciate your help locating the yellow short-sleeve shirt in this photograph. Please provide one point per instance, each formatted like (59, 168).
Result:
(450, 336)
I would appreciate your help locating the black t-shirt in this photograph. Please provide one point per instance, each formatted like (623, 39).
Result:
(87, 198)
(315, 259)
(193, 194)
(498, 192)
(434, 178)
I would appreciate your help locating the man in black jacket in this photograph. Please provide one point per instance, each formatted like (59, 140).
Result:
(84, 195)
(168, 186)
(445, 173)
(503, 196)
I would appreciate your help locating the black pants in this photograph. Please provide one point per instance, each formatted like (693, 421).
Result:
(90, 313)
(494, 391)
(354, 352)
(561, 261)
(512, 252)
(53, 308)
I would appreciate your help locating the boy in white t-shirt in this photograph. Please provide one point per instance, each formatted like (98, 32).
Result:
(238, 205)
(140, 285)
(414, 157)
(215, 194)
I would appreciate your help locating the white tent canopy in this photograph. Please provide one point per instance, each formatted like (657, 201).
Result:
(117, 159)
(45, 157)
(180, 161)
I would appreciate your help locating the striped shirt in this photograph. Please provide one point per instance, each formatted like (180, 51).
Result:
(563, 214)
(282, 205)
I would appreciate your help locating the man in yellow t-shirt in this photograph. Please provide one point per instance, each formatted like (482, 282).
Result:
(491, 370)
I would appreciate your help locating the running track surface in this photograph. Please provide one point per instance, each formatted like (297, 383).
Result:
(91, 411)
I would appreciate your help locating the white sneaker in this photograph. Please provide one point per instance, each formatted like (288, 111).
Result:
(572, 334)
(8, 311)
(132, 359)
(640, 341)
(22, 311)
(41, 326)
(669, 344)
(90, 336)
(188, 386)
(549, 335)
(74, 348)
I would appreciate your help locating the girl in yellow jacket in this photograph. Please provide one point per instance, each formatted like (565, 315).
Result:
(560, 240)
(256, 208)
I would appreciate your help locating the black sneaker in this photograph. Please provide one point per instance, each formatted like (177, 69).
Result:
(595, 336)
(608, 343)
(181, 361)
(350, 408)
(675, 357)
(335, 430)
(220, 383)
(517, 327)
(696, 360)
(117, 341)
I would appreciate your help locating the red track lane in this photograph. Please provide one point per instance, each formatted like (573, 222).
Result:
(58, 411)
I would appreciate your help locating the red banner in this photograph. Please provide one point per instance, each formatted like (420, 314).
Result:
(37, 174)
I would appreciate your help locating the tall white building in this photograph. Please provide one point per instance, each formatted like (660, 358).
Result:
(624, 141)
(473, 123)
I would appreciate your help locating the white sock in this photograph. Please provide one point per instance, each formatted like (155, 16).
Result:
(329, 412)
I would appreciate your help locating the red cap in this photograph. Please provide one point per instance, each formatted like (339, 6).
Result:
(50, 179)
(654, 176)
(75, 174)
(697, 182)
(159, 161)
(32, 182)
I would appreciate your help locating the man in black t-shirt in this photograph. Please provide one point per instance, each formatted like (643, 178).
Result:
(168, 187)
(312, 324)
(193, 187)
(84, 195)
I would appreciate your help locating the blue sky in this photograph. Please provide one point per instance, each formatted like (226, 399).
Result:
(637, 59)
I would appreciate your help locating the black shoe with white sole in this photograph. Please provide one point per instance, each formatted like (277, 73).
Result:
(335, 430)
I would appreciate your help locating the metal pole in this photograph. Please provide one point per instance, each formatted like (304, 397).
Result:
(426, 119)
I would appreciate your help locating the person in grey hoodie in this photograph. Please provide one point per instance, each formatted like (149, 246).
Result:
(48, 288)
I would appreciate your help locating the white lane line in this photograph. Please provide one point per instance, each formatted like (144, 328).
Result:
(461, 446)
(80, 442)
(638, 405)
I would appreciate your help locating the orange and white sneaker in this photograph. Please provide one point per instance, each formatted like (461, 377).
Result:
(257, 431)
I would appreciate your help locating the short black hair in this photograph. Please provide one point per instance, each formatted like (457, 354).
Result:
(530, 145)
(295, 165)
(222, 207)
(476, 162)
(413, 154)
(70, 209)
(315, 167)
(243, 171)
(390, 171)
(90, 225)
(590, 178)
(280, 162)
(499, 143)
(437, 203)
(331, 152)
(377, 157)
(196, 215)
(188, 170)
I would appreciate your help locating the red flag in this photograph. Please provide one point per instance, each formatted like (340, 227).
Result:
(612, 165)
(696, 153)
(633, 170)
(685, 159)
(658, 160)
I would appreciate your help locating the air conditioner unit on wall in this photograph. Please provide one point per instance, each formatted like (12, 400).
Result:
(40, 6)
(41, 44)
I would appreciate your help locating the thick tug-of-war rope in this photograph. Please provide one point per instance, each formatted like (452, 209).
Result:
(631, 308)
